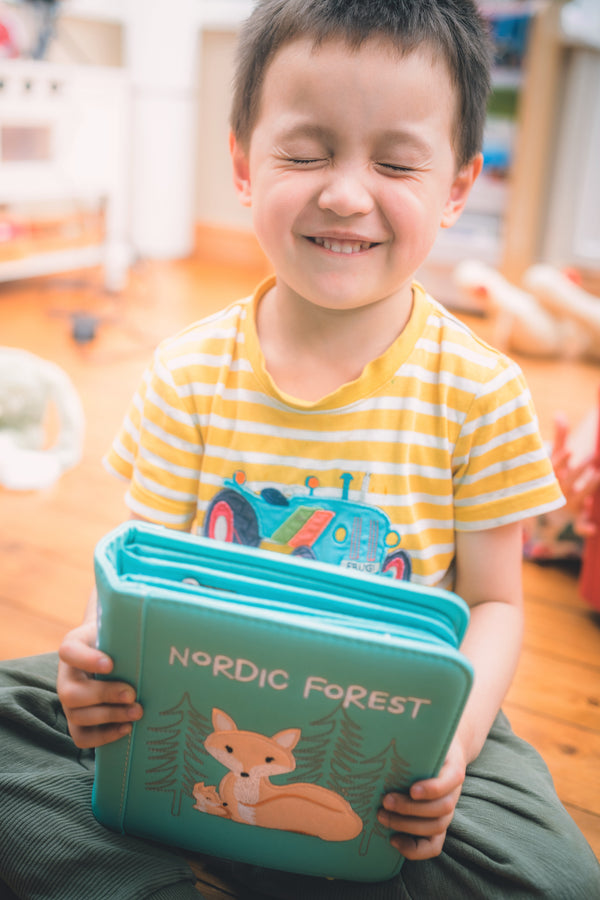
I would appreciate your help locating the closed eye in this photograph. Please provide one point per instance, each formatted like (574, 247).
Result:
(395, 170)
(305, 162)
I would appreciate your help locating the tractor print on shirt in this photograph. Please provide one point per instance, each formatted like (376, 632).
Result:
(336, 530)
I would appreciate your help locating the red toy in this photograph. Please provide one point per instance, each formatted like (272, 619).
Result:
(589, 584)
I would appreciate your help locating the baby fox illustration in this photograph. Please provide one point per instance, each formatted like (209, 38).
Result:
(246, 794)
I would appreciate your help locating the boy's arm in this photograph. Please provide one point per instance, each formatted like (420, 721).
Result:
(488, 578)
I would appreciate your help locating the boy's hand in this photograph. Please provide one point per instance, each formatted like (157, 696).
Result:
(97, 712)
(421, 819)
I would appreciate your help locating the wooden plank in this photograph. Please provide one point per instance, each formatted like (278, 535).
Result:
(566, 633)
(553, 585)
(27, 634)
(211, 885)
(561, 689)
(572, 754)
(33, 582)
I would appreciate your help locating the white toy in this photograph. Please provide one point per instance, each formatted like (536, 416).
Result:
(564, 299)
(535, 321)
(29, 386)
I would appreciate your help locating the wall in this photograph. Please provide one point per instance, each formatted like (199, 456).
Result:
(86, 43)
(217, 201)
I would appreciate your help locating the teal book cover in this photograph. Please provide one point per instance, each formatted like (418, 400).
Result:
(282, 699)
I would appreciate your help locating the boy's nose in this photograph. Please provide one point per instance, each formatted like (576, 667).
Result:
(346, 194)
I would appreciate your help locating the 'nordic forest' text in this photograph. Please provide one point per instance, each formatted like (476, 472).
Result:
(244, 671)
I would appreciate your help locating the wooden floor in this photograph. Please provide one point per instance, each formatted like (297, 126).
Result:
(47, 538)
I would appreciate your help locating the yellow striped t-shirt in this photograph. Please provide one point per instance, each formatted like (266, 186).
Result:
(437, 435)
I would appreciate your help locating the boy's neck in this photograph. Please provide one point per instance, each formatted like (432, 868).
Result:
(310, 352)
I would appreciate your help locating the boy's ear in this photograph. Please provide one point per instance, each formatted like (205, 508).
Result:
(241, 171)
(460, 190)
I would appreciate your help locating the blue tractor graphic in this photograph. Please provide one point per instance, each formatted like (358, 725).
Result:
(336, 530)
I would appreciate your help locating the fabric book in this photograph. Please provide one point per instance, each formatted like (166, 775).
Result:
(282, 699)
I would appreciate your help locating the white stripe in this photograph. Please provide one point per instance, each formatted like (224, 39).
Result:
(209, 361)
(433, 550)
(506, 493)
(133, 432)
(307, 463)
(504, 377)
(490, 418)
(206, 360)
(509, 518)
(503, 440)
(123, 452)
(200, 332)
(160, 462)
(156, 487)
(435, 579)
(234, 312)
(357, 467)
(386, 403)
(505, 465)
(347, 436)
(171, 412)
(446, 346)
(411, 371)
(112, 471)
(154, 515)
(171, 439)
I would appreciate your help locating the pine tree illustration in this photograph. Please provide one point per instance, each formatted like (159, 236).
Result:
(326, 752)
(176, 755)
(331, 754)
(378, 775)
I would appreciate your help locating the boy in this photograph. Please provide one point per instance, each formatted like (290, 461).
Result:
(356, 134)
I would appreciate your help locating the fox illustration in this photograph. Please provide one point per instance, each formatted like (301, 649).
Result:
(246, 795)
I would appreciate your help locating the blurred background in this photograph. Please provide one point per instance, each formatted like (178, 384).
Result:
(119, 224)
(113, 118)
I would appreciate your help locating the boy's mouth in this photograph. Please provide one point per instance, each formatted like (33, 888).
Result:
(338, 245)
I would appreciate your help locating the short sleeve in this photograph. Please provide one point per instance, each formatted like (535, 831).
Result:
(501, 469)
(158, 450)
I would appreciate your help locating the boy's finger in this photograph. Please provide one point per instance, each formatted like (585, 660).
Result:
(79, 693)
(91, 716)
(447, 782)
(97, 737)
(415, 848)
(416, 825)
(80, 656)
(401, 806)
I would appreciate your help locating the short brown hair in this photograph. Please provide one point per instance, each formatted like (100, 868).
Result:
(453, 29)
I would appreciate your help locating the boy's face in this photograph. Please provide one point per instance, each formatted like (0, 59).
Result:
(351, 170)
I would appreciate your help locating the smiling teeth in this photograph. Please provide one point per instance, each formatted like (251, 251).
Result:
(343, 246)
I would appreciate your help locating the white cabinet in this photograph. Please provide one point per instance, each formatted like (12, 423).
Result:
(64, 140)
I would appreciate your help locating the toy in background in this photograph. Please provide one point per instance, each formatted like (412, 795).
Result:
(552, 316)
(562, 534)
(29, 388)
(549, 316)
(27, 28)
(590, 572)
